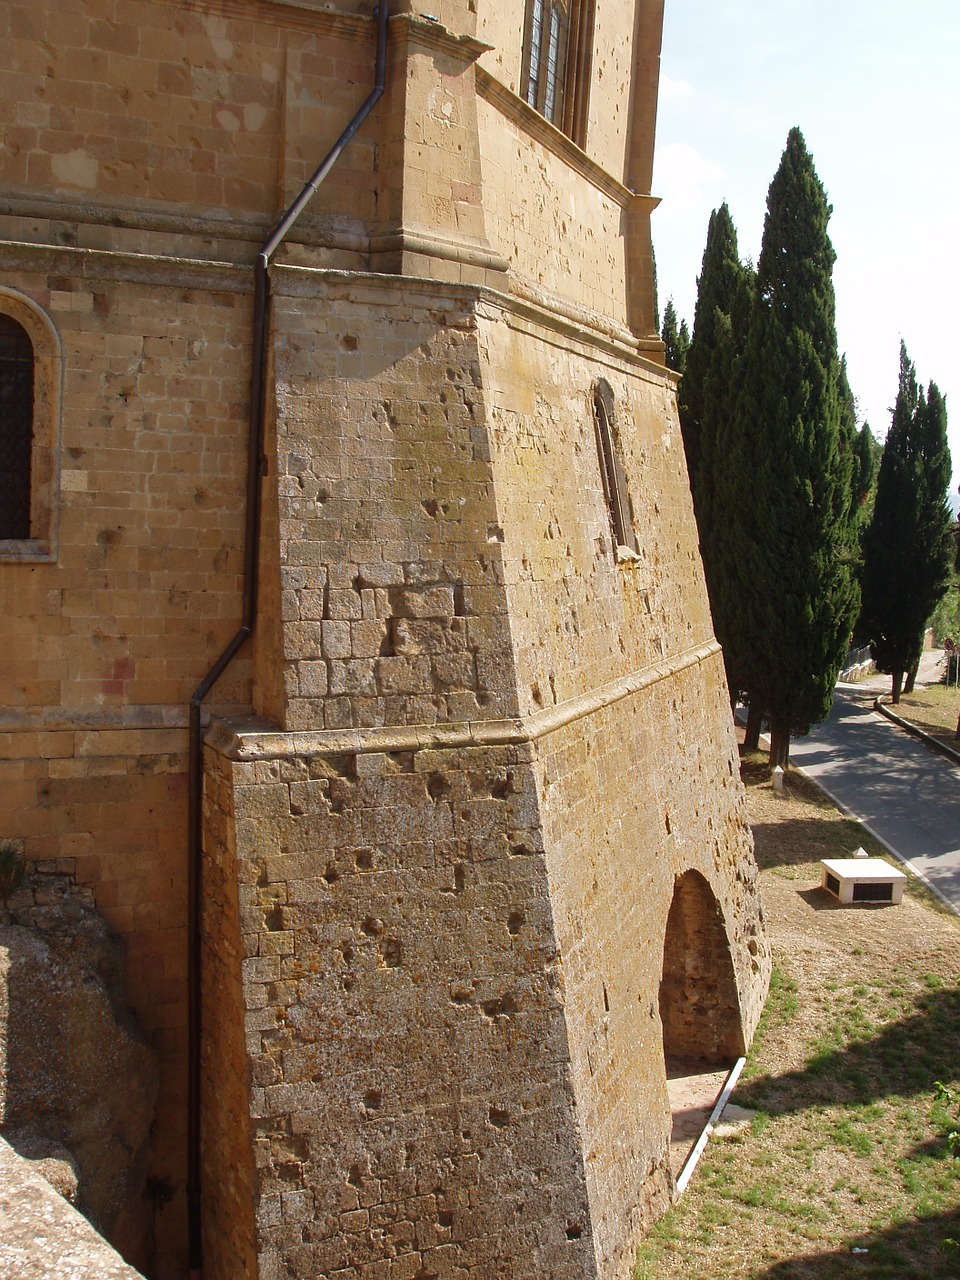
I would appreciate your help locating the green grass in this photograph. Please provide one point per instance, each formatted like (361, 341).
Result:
(934, 709)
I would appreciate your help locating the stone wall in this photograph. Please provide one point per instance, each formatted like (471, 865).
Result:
(436, 567)
(231, 1034)
(411, 1080)
(106, 642)
(494, 748)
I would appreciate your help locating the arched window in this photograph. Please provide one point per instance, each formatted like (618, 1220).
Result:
(16, 428)
(557, 51)
(611, 469)
(30, 398)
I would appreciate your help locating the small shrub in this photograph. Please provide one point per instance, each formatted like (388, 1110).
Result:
(12, 870)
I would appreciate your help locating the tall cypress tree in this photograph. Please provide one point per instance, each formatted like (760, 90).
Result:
(865, 470)
(676, 339)
(793, 562)
(709, 388)
(708, 397)
(909, 545)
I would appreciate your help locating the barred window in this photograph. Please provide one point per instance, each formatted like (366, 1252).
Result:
(16, 428)
(557, 51)
(611, 469)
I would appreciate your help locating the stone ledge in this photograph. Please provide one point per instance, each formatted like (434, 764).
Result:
(250, 738)
(44, 1237)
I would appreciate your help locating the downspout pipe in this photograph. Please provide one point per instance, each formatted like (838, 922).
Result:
(255, 473)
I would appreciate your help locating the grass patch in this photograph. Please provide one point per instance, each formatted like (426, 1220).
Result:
(935, 709)
(846, 1170)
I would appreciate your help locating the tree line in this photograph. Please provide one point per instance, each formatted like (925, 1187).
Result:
(810, 534)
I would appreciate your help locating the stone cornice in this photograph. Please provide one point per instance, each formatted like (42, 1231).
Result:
(109, 264)
(436, 243)
(316, 231)
(427, 33)
(304, 14)
(249, 740)
(512, 106)
(522, 298)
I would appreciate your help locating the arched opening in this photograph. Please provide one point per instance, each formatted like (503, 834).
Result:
(31, 371)
(699, 1005)
(699, 1010)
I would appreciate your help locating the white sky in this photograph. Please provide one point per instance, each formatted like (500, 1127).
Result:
(875, 88)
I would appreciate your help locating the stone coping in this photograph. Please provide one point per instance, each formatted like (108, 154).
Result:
(867, 869)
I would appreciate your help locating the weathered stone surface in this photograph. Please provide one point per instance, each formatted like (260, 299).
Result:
(467, 964)
(460, 894)
(43, 1237)
(51, 1160)
(75, 1073)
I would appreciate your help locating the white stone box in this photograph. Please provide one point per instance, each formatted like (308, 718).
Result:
(862, 880)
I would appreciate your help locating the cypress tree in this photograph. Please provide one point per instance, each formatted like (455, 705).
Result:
(676, 338)
(909, 547)
(708, 392)
(792, 449)
(865, 469)
(708, 396)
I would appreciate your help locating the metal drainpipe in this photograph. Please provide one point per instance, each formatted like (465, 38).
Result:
(255, 472)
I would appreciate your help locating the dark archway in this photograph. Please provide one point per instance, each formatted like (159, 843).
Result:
(699, 1003)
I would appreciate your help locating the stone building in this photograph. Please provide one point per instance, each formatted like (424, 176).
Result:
(391, 506)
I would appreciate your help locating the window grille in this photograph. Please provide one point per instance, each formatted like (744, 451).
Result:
(16, 428)
(880, 892)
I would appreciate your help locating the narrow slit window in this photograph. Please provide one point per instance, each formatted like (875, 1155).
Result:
(16, 428)
(553, 65)
(611, 469)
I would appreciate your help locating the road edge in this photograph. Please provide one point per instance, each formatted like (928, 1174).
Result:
(895, 853)
(934, 743)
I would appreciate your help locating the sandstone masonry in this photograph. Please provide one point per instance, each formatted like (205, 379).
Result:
(474, 856)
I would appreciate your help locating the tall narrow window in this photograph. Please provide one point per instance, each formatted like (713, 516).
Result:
(31, 374)
(558, 46)
(611, 469)
(16, 428)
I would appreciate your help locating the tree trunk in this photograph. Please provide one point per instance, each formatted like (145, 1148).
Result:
(957, 734)
(911, 678)
(896, 686)
(751, 741)
(779, 743)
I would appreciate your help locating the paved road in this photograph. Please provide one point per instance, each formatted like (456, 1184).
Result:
(905, 793)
